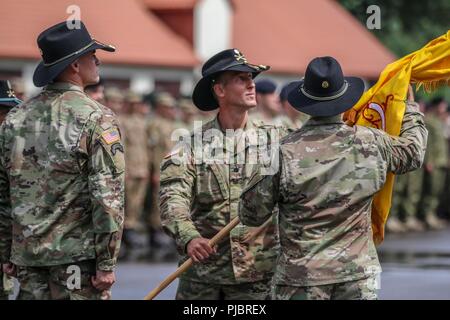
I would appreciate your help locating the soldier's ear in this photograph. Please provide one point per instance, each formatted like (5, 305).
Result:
(75, 66)
(218, 90)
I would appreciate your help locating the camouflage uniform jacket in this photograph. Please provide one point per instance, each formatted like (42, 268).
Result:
(61, 181)
(199, 199)
(328, 175)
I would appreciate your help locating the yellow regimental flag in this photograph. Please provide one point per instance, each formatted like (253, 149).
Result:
(383, 106)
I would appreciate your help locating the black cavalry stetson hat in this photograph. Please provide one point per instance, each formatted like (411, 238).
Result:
(324, 91)
(7, 96)
(60, 45)
(226, 60)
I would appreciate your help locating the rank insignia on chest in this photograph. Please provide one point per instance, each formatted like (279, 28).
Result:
(111, 136)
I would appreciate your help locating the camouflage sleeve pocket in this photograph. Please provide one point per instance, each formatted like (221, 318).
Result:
(111, 143)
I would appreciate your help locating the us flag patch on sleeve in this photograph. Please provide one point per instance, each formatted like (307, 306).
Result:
(111, 136)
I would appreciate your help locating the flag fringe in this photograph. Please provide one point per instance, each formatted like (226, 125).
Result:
(432, 85)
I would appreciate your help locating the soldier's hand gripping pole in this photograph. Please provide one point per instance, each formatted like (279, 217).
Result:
(212, 242)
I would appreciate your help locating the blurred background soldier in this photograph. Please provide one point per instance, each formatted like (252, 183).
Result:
(96, 91)
(292, 119)
(436, 161)
(268, 109)
(8, 100)
(189, 113)
(404, 212)
(133, 124)
(114, 100)
(160, 128)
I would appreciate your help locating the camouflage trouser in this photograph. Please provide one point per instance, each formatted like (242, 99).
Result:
(398, 195)
(190, 290)
(413, 192)
(135, 189)
(59, 282)
(433, 187)
(353, 290)
(407, 194)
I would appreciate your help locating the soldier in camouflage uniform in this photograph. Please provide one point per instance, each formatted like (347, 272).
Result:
(135, 136)
(189, 113)
(268, 109)
(328, 175)
(160, 128)
(403, 215)
(436, 160)
(62, 177)
(198, 198)
(114, 100)
(8, 100)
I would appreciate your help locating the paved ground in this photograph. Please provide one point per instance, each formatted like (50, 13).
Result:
(415, 266)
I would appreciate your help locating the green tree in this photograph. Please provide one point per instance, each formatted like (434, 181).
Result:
(406, 25)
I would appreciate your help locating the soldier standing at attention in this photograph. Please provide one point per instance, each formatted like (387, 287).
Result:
(328, 175)
(8, 100)
(436, 160)
(268, 107)
(134, 129)
(159, 133)
(62, 177)
(198, 198)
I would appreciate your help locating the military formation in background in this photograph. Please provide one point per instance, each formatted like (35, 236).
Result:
(420, 200)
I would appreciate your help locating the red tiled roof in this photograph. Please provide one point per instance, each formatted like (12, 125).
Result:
(287, 34)
(140, 37)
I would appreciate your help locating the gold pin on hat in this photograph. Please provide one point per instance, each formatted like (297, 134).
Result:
(10, 91)
(325, 84)
(239, 56)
